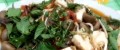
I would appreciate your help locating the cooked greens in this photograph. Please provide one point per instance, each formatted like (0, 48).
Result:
(51, 25)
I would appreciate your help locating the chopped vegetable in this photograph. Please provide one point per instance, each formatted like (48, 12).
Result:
(57, 25)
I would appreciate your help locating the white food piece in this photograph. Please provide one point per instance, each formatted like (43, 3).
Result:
(70, 1)
(82, 43)
(69, 48)
(79, 14)
(61, 3)
(99, 39)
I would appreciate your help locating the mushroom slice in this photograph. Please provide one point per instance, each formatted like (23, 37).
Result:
(97, 25)
(4, 35)
(79, 14)
(69, 48)
(89, 19)
(7, 46)
(99, 40)
(61, 3)
(81, 43)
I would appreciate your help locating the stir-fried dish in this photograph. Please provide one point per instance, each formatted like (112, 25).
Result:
(57, 25)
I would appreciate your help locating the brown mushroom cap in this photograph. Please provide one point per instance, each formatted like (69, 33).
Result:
(4, 35)
(89, 19)
(7, 46)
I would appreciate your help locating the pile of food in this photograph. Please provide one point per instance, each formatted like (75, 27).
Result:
(57, 25)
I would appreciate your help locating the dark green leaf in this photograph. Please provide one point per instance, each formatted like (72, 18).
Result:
(47, 36)
(9, 28)
(46, 14)
(15, 20)
(39, 30)
(55, 15)
(112, 40)
(64, 14)
(36, 13)
(114, 33)
(114, 22)
(23, 26)
(13, 12)
(42, 5)
(73, 6)
(17, 41)
(105, 25)
(32, 27)
(45, 46)
(113, 44)
(61, 43)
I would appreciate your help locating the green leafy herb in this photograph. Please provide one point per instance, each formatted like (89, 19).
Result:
(15, 20)
(42, 5)
(36, 13)
(105, 25)
(114, 22)
(112, 38)
(39, 30)
(17, 41)
(73, 6)
(46, 14)
(45, 46)
(55, 15)
(13, 12)
(47, 36)
(23, 26)
(9, 28)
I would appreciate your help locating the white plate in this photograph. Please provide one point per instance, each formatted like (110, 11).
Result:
(106, 10)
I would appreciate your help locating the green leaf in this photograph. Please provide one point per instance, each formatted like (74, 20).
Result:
(15, 20)
(73, 6)
(23, 26)
(114, 22)
(105, 25)
(42, 5)
(17, 41)
(47, 36)
(64, 14)
(61, 43)
(39, 30)
(115, 33)
(112, 40)
(46, 14)
(32, 27)
(36, 13)
(45, 46)
(112, 44)
(13, 12)
(9, 28)
(55, 15)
